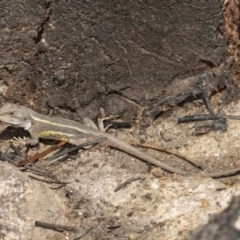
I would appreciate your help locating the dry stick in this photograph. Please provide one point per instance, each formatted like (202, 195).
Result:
(37, 156)
(6, 158)
(211, 116)
(51, 181)
(75, 148)
(206, 117)
(84, 234)
(205, 92)
(168, 151)
(124, 184)
(212, 175)
(226, 173)
(43, 173)
(56, 227)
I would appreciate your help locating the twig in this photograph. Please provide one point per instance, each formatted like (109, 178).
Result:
(84, 234)
(189, 94)
(56, 227)
(50, 181)
(168, 151)
(226, 173)
(37, 156)
(6, 158)
(48, 176)
(75, 148)
(124, 184)
(205, 117)
(203, 85)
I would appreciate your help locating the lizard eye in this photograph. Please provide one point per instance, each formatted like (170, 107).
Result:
(11, 113)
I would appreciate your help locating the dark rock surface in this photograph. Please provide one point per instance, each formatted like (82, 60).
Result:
(83, 55)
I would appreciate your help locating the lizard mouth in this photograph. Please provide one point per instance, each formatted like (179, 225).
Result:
(10, 124)
(3, 123)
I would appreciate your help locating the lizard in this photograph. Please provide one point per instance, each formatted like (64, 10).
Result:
(50, 127)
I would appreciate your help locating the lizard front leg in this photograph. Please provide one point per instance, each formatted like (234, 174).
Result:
(26, 141)
(33, 140)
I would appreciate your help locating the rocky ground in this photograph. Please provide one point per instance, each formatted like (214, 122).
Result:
(153, 205)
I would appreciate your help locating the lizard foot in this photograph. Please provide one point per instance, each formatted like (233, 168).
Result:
(100, 125)
(20, 140)
(103, 118)
(26, 141)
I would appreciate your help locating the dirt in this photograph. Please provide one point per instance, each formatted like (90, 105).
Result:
(156, 204)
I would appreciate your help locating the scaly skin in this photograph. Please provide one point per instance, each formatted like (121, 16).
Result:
(48, 127)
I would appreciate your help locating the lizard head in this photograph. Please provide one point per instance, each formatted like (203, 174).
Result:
(15, 115)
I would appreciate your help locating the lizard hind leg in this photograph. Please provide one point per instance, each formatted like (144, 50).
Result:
(90, 123)
(100, 126)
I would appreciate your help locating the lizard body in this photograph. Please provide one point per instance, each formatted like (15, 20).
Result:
(49, 127)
